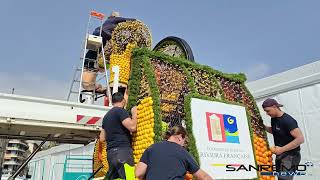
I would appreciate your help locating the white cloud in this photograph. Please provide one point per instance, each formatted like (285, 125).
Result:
(257, 71)
(31, 84)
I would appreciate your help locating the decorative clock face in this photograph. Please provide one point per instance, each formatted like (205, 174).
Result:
(175, 47)
(172, 49)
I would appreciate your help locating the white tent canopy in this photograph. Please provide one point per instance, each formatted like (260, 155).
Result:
(298, 90)
(292, 79)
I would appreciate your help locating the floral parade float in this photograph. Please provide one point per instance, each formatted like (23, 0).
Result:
(164, 84)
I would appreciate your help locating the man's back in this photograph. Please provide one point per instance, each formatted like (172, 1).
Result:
(168, 160)
(116, 134)
(109, 25)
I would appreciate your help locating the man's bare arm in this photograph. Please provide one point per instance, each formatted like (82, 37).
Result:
(298, 139)
(268, 129)
(102, 136)
(202, 175)
(141, 170)
(131, 123)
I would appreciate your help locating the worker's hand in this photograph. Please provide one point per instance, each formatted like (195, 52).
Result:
(278, 150)
(134, 110)
(102, 135)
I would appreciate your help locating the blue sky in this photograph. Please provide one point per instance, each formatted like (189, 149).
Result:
(41, 41)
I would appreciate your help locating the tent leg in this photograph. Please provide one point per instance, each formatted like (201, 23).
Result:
(95, 172)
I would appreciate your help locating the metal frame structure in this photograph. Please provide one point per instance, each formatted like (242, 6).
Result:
(93, 43)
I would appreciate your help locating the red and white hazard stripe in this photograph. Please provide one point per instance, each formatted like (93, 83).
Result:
(89, 119)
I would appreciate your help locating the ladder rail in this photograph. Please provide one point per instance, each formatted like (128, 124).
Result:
(83, 57)
(82, 68)
(94, 44)
(101, 21)
(106, 72)
(72, 83)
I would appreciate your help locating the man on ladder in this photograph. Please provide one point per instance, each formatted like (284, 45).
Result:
(90, 64)
(106, 33)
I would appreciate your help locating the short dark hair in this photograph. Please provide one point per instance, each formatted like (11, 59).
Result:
(117, 97)
(120, 89)
(175, 130)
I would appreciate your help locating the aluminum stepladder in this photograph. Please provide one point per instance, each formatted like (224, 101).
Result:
(93, 44)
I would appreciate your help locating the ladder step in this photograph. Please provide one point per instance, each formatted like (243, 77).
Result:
(93, 46)
(90, 60)
(94, 42)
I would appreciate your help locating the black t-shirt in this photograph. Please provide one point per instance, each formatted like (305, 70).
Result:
(116, 134)
(168, 161)
(281, 128)
(108, 26)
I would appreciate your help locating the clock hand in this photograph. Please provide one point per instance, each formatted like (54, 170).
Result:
(174, 51)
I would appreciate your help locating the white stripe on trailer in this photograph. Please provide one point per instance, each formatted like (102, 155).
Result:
(89, 120)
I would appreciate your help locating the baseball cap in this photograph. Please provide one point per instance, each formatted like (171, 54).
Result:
(270, 102)
(115, 14)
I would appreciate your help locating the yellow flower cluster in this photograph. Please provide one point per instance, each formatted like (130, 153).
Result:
(167, 108)
(124, 62)
(144, 137)
(100, 158)
(170, 96)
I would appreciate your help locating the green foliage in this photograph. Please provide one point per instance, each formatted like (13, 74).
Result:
(134, 82)
(183, 62)
(142, 58)
(155, 94)
(192, 141)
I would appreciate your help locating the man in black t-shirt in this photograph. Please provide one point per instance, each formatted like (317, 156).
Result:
(116, 128)
(287, 137)
(107, 28)
(168, 160)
